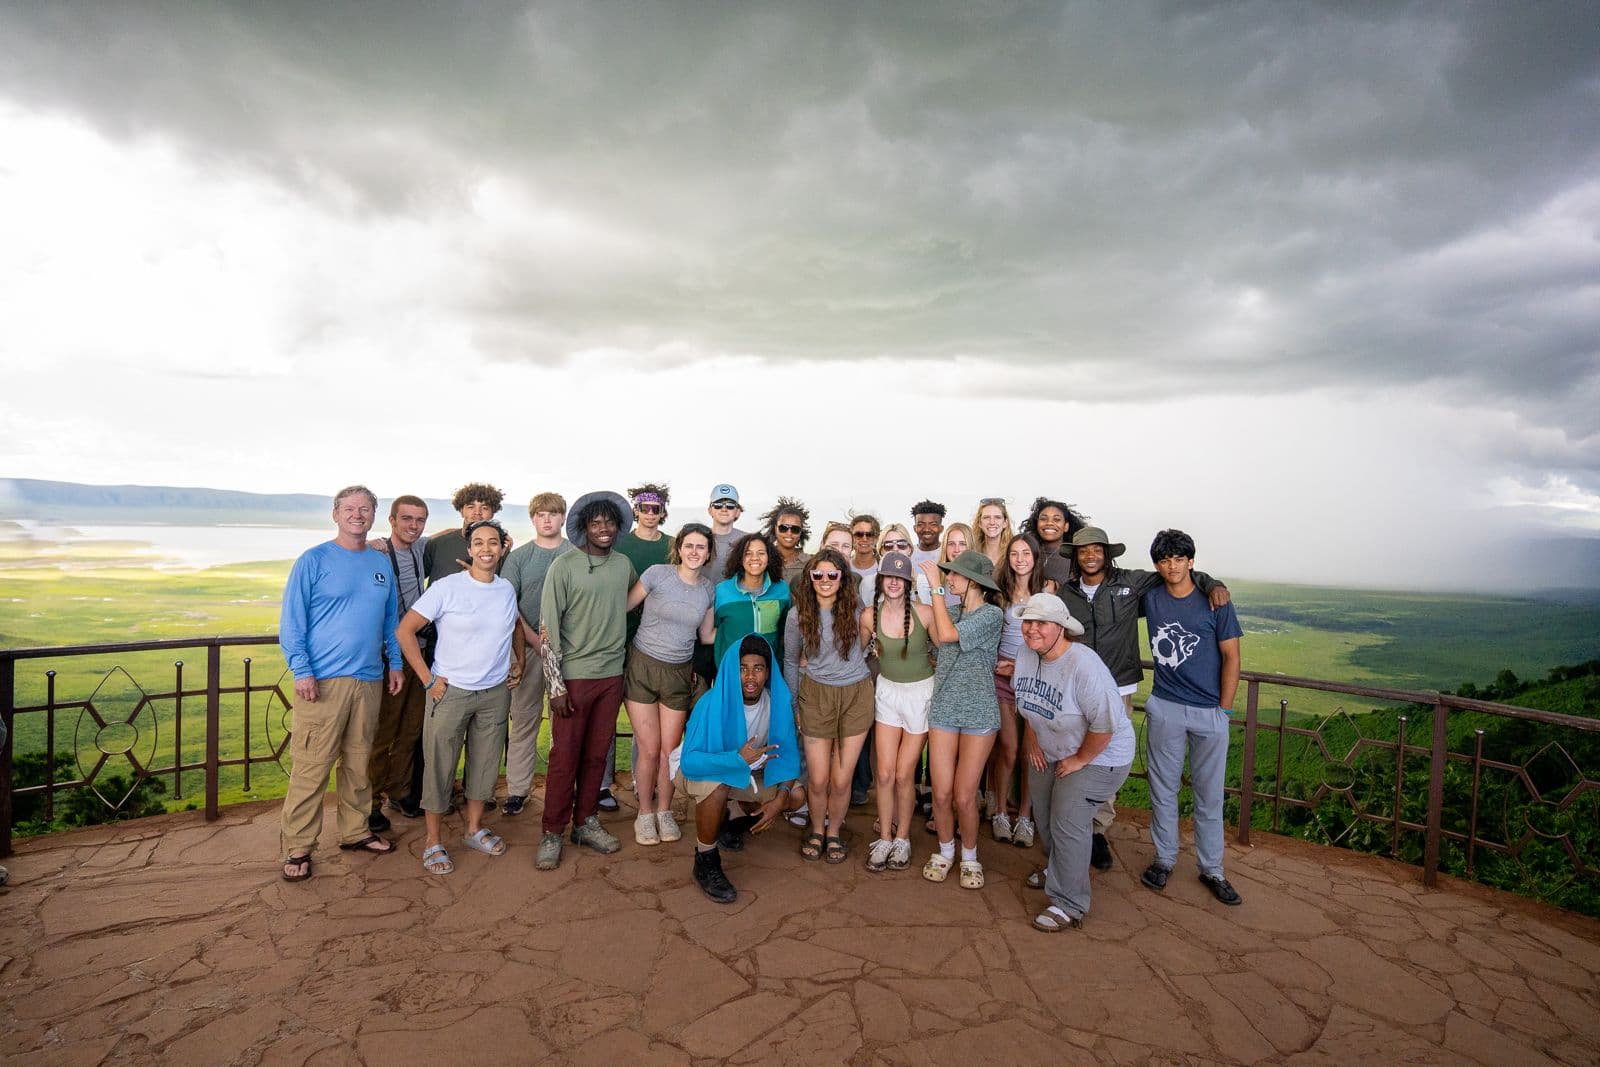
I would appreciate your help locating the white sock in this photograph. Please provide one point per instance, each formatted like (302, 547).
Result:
(701, 846)
(947, 849)
(969, 855)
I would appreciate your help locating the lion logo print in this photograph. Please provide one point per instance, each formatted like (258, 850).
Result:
(1172, 645)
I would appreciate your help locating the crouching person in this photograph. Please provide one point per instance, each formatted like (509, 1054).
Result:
(740, 745)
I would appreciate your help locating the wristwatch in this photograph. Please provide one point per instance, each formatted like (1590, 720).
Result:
(939, 591)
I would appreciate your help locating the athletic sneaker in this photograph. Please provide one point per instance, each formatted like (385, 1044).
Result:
(591, 834)
(878, 854)
(515, 804)
(667, 827)
(1022, 833)
(1001, 824)
(549, 855)
(644, 829)
(900, 854)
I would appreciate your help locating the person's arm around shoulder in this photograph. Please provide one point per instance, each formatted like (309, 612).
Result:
(1215, 592)
(637, 592)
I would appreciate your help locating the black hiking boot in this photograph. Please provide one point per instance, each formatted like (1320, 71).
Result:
(1100, 853)
(709, 877)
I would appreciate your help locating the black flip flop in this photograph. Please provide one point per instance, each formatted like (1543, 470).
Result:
(302, 862)
(365, 845)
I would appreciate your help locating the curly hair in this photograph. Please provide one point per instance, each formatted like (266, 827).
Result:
(928, 507)
(481, 492)
(846, 607)
(595, 509)
(734, 568)
(1006, 578)
(786, 506)
(651, 487)
(1075, 521)
(980, 540)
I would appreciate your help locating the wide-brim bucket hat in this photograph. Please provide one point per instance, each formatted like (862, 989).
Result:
(1047, 607)
(973, 566)
(1093, 535)
(575, 531)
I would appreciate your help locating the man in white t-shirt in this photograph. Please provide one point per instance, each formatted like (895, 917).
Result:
(1079, 747)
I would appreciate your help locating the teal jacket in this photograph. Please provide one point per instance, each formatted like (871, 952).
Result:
(717, 730)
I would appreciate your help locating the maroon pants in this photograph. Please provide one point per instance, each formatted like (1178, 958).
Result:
(578, 746)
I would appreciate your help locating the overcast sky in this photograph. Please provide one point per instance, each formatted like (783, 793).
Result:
(1318, 283)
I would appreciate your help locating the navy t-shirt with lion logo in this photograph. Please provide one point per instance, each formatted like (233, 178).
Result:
(1184, 632)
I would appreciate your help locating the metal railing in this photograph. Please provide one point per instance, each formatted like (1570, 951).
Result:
(1265, 743)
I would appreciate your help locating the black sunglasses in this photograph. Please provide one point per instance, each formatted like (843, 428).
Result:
(784, 527)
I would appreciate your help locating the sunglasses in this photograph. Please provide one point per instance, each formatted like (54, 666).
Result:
(725, 506)
(862, 533)
(649, 509)
(995, 500)
(824, 576)
(784, 527)
(897, 544)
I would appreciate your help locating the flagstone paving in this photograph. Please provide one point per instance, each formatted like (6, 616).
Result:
(173, 941)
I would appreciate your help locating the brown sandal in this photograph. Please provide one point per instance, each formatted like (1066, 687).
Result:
(302, 865)
(811, 847)
(835, 849)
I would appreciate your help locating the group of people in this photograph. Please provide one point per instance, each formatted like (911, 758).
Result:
(967, 670)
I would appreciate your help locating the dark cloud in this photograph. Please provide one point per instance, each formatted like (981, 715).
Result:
(1220, 197)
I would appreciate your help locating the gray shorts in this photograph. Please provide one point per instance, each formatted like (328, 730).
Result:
(476, 719)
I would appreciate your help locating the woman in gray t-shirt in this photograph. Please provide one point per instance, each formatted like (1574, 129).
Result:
(965, 714)
(658, 685)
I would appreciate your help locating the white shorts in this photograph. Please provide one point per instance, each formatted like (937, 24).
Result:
(904, 704)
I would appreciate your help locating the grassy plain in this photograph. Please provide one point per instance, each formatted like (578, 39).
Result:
(88, 595)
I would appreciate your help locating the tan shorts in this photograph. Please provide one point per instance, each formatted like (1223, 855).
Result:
(760, 794)
(831, 712)
(652, 681)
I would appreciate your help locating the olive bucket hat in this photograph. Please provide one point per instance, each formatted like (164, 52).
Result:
(575, 531)
(1093, 535)
(973, 566)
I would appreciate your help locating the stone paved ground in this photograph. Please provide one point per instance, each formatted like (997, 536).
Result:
(173, 941)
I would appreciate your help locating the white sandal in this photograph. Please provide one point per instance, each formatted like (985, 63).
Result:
(937, 869)
(1053, 920)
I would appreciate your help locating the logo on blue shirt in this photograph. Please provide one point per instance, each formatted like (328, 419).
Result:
(379, 578)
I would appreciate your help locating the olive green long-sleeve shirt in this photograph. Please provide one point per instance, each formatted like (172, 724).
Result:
(584, 611)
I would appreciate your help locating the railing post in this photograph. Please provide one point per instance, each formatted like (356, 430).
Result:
(177, 732)
(1247, 782)
(1277, 789)
(213, 728)
(8, 704)
(1399, 782)
(1472, 816)
(1430, 854)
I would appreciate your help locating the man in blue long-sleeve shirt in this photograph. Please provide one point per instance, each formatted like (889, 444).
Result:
(337, 630)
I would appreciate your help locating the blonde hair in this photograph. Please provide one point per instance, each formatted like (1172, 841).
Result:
(893, 527)
(980, 540)
(944, 545)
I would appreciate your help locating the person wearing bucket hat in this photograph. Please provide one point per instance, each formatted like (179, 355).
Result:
(1078, 746)
(964, 715)
(584, 614)
(899, 628)
(1107, 598)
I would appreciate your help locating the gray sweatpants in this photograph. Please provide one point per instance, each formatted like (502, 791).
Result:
(1065, 809)
(1170, 728)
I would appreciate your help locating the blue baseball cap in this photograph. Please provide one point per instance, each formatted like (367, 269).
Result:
(724, 492)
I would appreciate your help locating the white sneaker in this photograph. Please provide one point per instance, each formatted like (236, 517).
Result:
(878, 855)
(667, 826)
(1001, 825)
(1022, 834)
(900, 854)
(644, 829)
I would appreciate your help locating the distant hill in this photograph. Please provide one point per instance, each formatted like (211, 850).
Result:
(47, 501)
